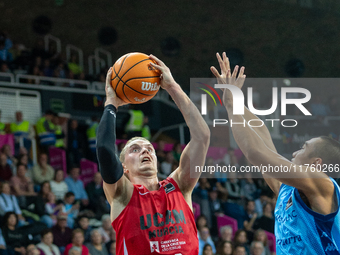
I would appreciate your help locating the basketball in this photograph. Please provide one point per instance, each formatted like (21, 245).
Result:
(134, 80)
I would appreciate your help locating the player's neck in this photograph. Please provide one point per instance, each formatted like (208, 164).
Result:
(151, 183)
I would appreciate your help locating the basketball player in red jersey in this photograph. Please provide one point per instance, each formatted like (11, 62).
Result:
(151, 217)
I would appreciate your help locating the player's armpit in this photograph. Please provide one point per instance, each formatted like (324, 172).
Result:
(120, 191)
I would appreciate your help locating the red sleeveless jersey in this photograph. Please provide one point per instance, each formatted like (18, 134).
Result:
(156, 222)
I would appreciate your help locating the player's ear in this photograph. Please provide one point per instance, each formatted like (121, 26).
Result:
(317, 161)
(125, 168)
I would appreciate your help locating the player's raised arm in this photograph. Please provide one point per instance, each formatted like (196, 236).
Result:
(197, 148)
(111, 169)
(316, 185)
(262, 131)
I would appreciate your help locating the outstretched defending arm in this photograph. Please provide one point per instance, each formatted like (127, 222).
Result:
(262, 131)
(315, 185)
(197, 148)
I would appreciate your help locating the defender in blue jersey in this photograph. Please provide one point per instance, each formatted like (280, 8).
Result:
(307, 216)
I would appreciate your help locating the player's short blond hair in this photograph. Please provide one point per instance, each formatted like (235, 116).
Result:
(122, 154)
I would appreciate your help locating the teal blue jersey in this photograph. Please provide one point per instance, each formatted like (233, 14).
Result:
(299, 230)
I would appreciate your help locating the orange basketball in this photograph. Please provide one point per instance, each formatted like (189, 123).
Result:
(134, 80)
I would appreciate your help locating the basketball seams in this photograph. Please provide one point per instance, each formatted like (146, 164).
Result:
(124, 83)
(120, 68)
(134, 66)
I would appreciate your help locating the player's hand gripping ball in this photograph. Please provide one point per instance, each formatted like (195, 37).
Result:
(134, 80)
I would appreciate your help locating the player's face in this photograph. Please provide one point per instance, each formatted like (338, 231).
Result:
(301, 156)
(140, 157)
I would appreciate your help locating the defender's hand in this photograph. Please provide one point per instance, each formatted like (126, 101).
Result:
(226, 77)
(167, 81)
(111, 97)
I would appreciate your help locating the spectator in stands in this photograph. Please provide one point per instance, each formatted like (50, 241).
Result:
(44, 190)
(84, 224)
(23, 151)
(112, 248)
(201, 222)
(52, 210)
(23, 187)
(261, 236)
(135, 124)
(229, 156)
(11, 160)
(97, 247)
(91, 133)
(111, 242)
(250, 215)
(13, 243)
(3, 248)
(160, 152)
(249, 188)
(166, 165)
(5, 169)
(45, 130)
(76, 186)
(31, 249)
(58, 185)
(74, 143)
(46, 246)
(60, 71)
(215, 210)
(201, 196)
(71, 208)
(77, 241)
(2, 126)
(266, 221)
(256, 248)
(226, 233)
(5, 45)
(21, 129)
(97, 197)
(62, 235)
(233, 188)
(106, 229)
(146, 133)
(240, 250)
(47, 69)
(59, 133)
(207, 250)
(36, 72)
(205, 238)
(24, 160)
(4, 69)
(112, 238)
(8, 202)
(260, 202)
(177, 151)
(42, 171)
(225, 248)
(240, 238)
(73, 66)
(18, 237)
